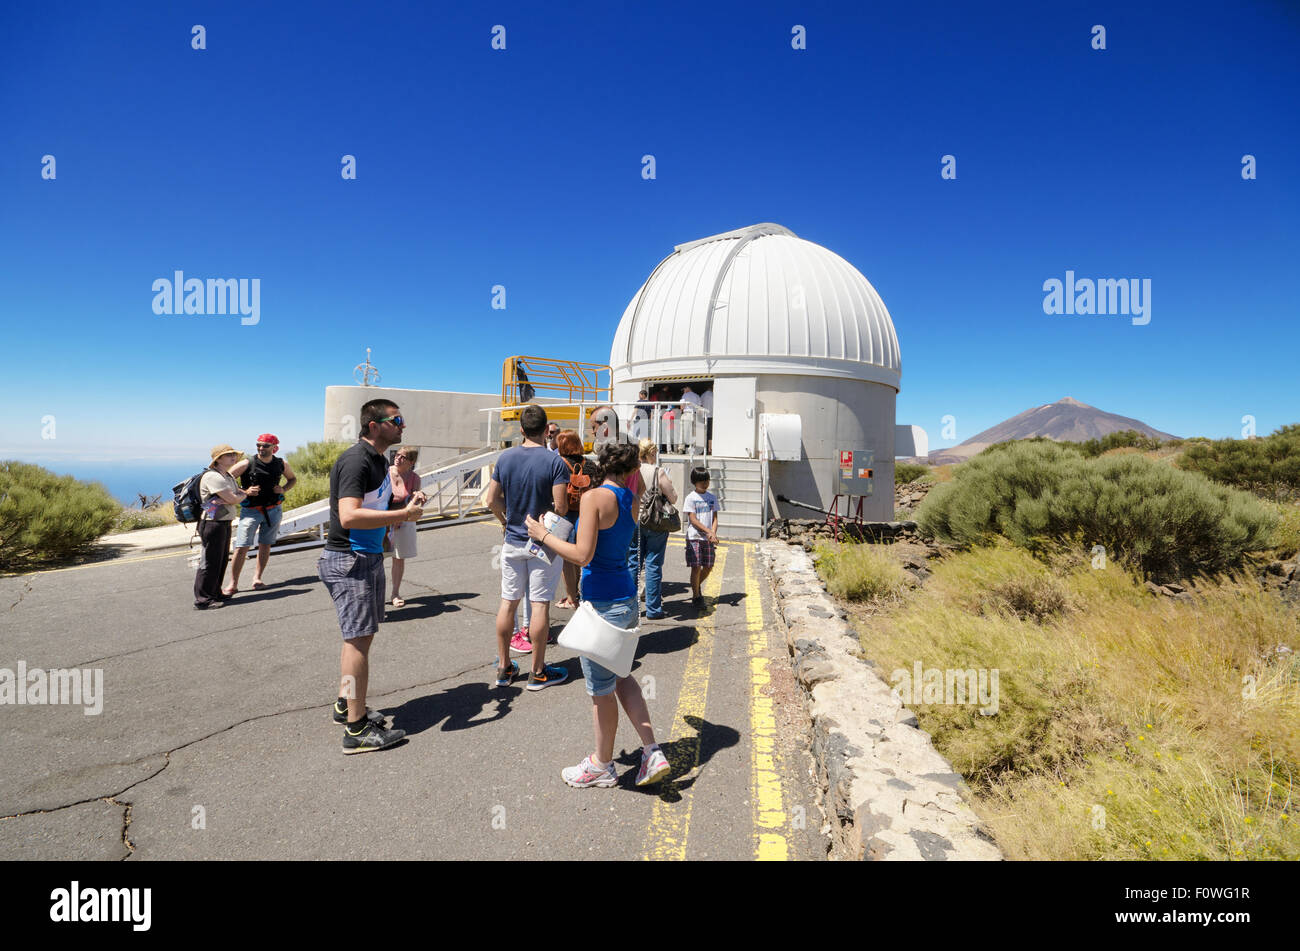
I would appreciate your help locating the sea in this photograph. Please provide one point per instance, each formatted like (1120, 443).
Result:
(126, 481)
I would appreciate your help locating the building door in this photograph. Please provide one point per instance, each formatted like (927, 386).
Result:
(734, 419)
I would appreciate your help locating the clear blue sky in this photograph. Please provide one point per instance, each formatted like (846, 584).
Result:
(522, 168)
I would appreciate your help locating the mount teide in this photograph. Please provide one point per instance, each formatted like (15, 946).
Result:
(1066, 419)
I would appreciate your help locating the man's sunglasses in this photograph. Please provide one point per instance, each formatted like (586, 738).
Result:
(395, 420)
(266, 445)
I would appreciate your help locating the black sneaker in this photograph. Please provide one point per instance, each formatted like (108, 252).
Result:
(369, 737)
(374, 716)
(549, 676)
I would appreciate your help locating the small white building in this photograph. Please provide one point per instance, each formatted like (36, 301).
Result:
(774, 326)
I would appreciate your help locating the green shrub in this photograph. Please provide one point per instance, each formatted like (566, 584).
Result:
(316, 459)
(860, 572)
(1163, 521)
(308, 489)
(905, 472)
(47, 518)
(1091, 448)
(1285, 541)
(1269, 466)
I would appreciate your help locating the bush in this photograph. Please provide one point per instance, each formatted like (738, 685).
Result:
(860, 572)
(1033, 597)
(308, 489)
(905, 472)
(316, 459)
(1285, 541)
(1163, 521)
(1091, 448)
(1268, 466)
(311, 464)
(47, 518)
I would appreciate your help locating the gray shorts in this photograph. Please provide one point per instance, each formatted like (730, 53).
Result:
(355, 581)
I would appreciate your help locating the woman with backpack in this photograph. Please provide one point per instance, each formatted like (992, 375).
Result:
(648, 544)
(583, 477)
(605, 523)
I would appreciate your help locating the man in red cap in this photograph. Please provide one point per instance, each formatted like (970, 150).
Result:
(260, 511)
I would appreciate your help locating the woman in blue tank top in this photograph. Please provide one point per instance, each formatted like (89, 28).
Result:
(605, 524)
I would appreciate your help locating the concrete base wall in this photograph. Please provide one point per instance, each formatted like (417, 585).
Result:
(835, 414)
(442, 423)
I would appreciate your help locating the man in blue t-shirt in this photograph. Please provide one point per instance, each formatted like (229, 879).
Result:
(352, 566)
(528, 480)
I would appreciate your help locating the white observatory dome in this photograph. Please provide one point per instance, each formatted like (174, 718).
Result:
(758, 300)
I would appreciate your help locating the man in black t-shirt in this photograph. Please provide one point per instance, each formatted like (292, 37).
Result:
(352, 566)
(260, 511)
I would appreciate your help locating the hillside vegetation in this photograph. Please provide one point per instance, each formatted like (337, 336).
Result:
(1161, 520)
(47, 519)
(1127, 726)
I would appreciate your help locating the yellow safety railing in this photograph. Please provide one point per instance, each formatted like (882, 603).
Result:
(525, 379)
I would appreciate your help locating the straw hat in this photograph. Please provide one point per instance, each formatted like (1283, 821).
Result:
(219, 451)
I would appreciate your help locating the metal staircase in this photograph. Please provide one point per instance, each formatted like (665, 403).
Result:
(738, 484)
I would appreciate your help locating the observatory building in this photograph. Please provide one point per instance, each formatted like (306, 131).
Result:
(801, 358)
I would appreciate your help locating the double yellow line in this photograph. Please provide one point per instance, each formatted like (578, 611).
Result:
(671, 819)
(671, 816)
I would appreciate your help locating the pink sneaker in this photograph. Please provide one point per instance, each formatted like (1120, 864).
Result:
(654, 767)
(520, 643)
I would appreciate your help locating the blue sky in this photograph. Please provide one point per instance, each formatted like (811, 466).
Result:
(522, 168)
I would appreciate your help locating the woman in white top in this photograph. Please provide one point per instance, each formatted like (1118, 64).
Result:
(219, 494)
(648, 547)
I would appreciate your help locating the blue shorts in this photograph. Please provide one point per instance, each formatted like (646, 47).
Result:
(256, 528)
(624, 614)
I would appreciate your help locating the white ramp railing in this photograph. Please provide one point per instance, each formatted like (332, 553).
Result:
(455, 488)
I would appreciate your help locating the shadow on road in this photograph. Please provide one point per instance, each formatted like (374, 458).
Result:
(246, 596)
(428, 605)
(684, 756)
(458, 706)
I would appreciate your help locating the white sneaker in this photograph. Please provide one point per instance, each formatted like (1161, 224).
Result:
(587, 773)
(654, 767)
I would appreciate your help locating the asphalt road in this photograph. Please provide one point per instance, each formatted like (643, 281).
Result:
(215, 739)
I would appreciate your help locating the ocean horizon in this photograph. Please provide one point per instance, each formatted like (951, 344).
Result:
(125, 481)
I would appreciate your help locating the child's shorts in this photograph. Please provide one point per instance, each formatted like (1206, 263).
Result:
(699, 553)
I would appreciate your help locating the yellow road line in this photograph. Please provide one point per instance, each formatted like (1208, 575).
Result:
(770, 820)
(114, 561)
(670, 820)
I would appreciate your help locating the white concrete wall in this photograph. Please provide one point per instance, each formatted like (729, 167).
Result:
(442, 423)
(836, 414)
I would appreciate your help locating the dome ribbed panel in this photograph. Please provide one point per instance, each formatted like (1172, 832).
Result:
(757, 322)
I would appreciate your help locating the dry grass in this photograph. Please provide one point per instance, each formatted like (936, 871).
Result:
(133, 519)
(860, 572)
(1127, 726)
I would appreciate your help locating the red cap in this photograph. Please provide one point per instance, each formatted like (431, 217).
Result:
(268, 437)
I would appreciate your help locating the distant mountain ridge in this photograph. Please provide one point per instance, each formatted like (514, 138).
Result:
(1065, 420)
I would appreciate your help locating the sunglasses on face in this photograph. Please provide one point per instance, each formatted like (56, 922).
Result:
(266, 445)
(395, 420)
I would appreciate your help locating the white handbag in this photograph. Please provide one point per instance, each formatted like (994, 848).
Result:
(590, 635)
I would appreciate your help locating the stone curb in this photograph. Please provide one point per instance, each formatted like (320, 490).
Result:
(885, 790)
